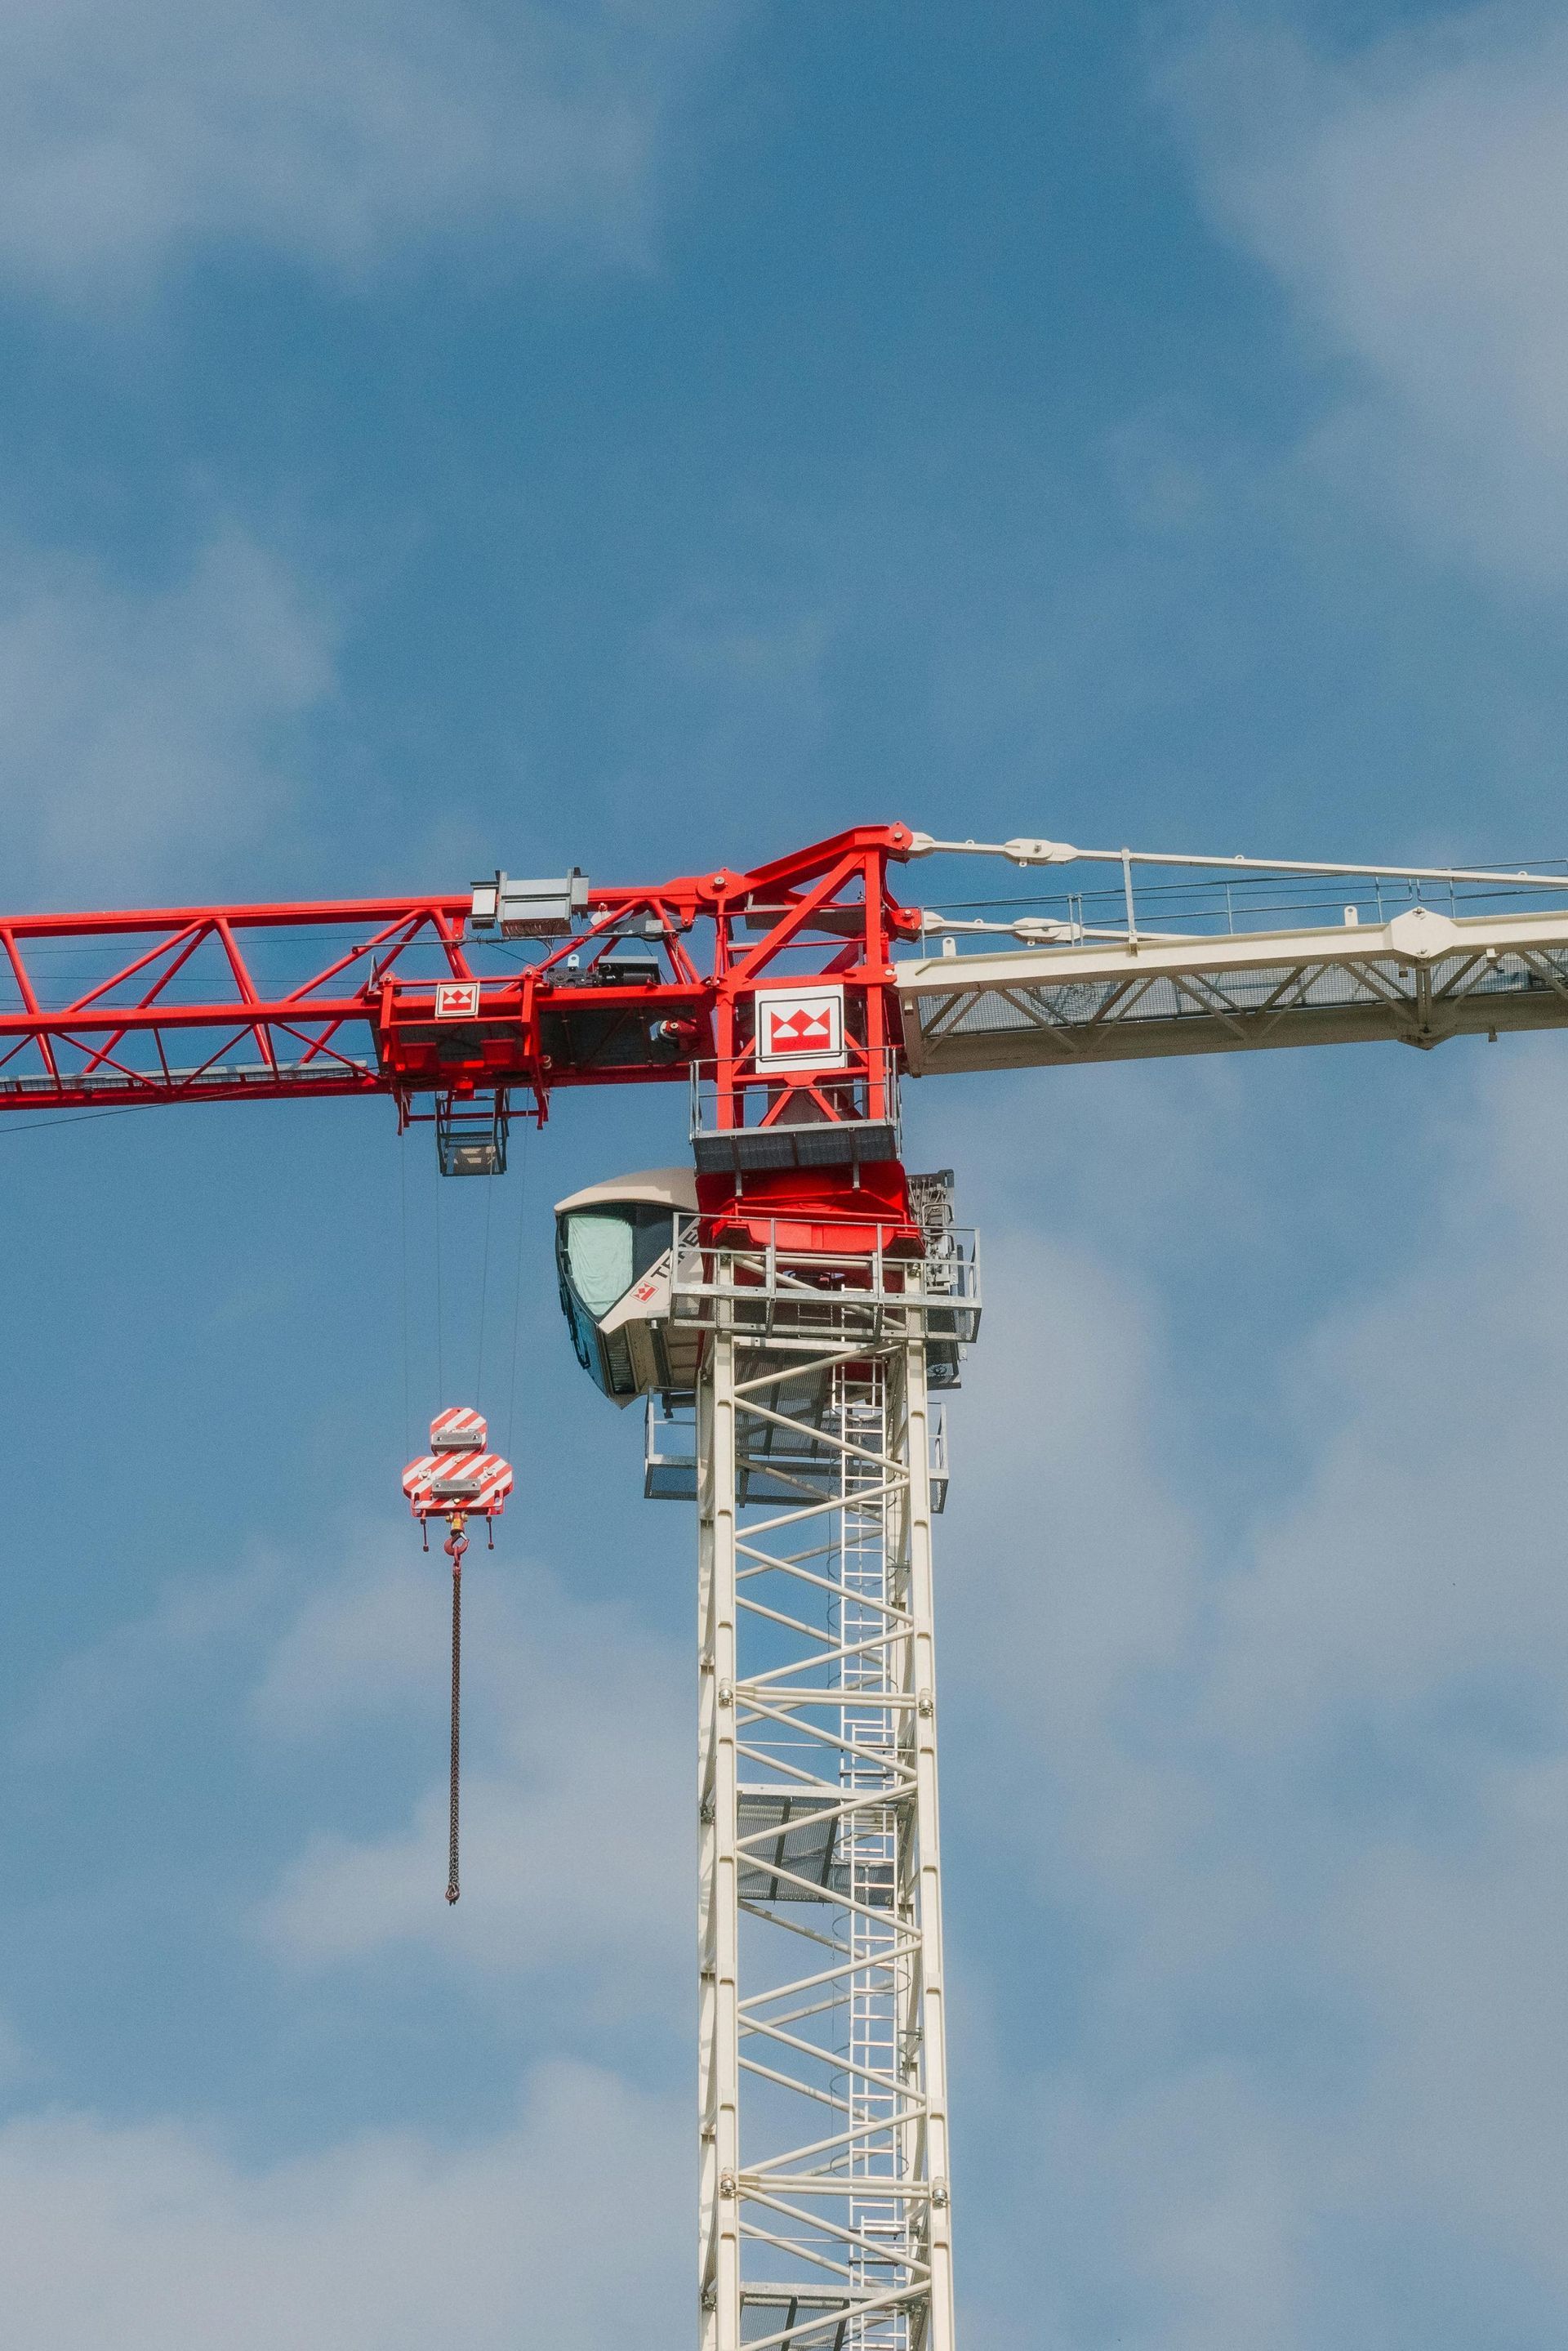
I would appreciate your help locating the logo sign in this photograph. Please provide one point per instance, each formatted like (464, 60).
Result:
(801, 1028)
(457, 999)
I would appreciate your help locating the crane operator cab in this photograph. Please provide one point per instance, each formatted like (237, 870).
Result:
(614, 1251)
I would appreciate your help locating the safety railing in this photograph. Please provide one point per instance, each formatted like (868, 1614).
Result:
(773, 1288)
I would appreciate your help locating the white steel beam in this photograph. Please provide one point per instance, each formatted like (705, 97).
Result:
(1419, 979)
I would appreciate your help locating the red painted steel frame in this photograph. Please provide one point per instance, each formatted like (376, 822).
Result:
(170, 1004)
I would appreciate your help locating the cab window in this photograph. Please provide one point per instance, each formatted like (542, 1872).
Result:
(599, 1257)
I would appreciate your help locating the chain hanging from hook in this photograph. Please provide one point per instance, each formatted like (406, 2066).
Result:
(458, 1479)
(456, 1544)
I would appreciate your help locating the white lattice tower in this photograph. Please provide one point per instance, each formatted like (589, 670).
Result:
(825, 2209)
(866, 1572)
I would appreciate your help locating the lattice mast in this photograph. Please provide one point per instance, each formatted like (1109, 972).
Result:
(823, 2093)
(820, 1289)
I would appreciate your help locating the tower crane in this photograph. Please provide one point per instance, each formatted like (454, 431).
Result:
(793, 1307)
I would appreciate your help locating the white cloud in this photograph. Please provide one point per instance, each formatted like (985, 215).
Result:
(1455, 1936)
(1291, 1797)
(1423, 1556)
(570, 2229)
(1413, 199)
(333, 134)
(579, 1835)
(1198, 2174)
(149, 733)
(578, 1839)
(1065, 1385)
(361, 1644)
(96, 1692)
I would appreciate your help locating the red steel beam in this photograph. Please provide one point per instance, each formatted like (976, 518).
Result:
(118, 1033)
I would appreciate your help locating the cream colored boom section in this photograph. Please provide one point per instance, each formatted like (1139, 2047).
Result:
(1420, 979)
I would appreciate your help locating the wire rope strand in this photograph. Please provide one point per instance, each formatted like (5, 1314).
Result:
(452, 1887)
(483, 1290)
(403, 1219)
(74, 1118)
(517, 1293)
(441, 1305)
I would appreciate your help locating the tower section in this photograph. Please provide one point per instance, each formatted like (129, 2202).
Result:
(812, 1438)
(820, 1460)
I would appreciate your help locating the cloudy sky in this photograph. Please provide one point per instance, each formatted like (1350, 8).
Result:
(654, 433)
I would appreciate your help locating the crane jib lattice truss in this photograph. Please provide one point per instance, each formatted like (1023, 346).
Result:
(787, 1309)
(340, 997)
(432, 996)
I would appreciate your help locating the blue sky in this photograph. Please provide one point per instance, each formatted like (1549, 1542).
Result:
(651, 435)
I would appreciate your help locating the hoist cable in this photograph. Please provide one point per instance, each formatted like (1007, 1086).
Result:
(441, 1305)
(518, 1292)
(452, 1888)
(483, 1290)
(403, 1220)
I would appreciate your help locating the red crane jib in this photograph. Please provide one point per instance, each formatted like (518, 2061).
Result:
(398, 995)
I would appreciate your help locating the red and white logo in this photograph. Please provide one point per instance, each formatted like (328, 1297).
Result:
(457, 999)
(801, 1028)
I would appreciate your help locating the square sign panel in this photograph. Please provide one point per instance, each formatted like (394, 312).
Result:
(457, 999)
(801, 1028)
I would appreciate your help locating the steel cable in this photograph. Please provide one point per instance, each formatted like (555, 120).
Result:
(403, 1222)
(518, 1292)
(440, 1301)
(484, 1293)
